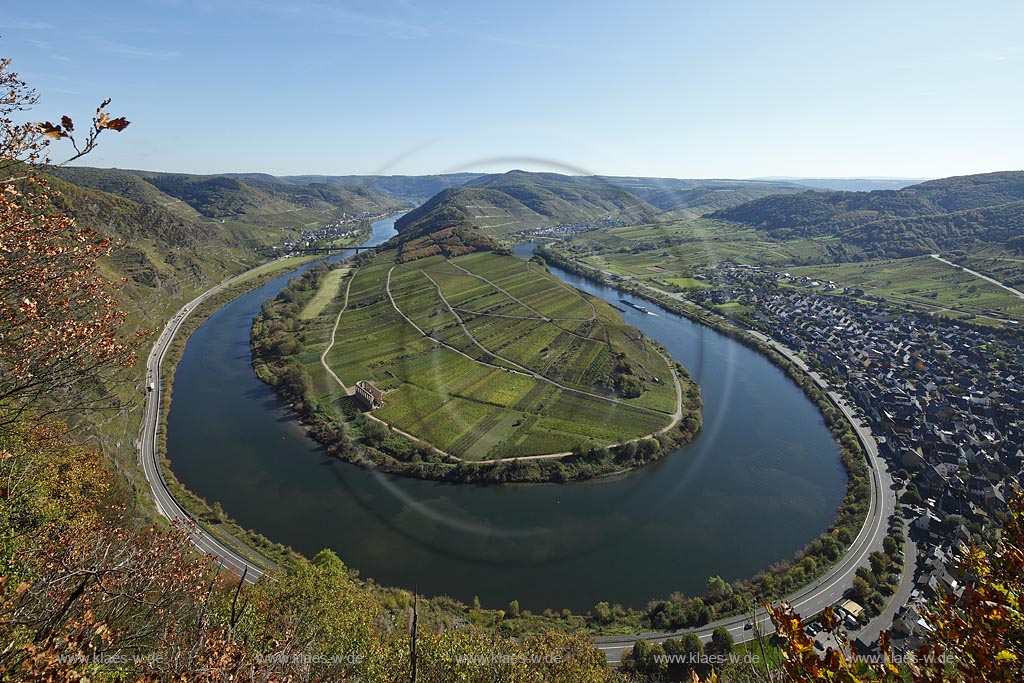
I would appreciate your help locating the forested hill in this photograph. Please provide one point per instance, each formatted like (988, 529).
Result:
(406, 188)
(698, 196)
(221, 196)
(510, 202)
(949, 213)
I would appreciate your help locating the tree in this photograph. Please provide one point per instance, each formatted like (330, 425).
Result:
(717, 589)
(721, 642)
(59, 319)
(861, 590)
(692, 645)
(646, 658)
(879, 562)
(513, 609)
(602, 613)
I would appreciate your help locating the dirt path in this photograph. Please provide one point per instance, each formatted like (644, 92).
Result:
(676, 417)
(334, 331)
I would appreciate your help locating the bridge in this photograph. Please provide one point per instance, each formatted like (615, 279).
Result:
(313, 250)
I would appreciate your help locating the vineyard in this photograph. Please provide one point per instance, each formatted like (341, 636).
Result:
(488, 356)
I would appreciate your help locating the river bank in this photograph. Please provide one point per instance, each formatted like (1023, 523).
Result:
(763, 478)
(365, 441)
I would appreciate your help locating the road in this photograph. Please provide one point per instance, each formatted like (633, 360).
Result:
(1016, 292)
(811, 599)
(165, 503)
(829, 589)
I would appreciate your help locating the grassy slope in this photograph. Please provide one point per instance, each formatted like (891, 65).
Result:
(923, 282)
(167, 253)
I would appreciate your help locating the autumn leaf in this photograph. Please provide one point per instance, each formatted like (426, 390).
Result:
(67, 123)
(50, 130)
(117, 124)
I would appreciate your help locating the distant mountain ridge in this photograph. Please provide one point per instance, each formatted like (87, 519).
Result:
(665, 194)
(850, 184)
(493, 206)
(923, 218)
(402, 187)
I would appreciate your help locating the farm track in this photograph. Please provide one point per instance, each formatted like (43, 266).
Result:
(524, 370)
(334, 332)
(676, 417)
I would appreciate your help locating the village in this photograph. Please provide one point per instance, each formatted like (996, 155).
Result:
(945, 401)
(564, 230)
(344, 228)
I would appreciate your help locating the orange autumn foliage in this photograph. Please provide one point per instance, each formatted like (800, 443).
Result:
(59, 321)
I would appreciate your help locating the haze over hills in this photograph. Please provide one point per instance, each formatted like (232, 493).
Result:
(401, 187)
(949, 213)
(849, 184)
(502, 204)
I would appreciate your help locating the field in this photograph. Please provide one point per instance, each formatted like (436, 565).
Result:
(328, 290)
(673, 255)
(486, 356)
(922, 282)
(681, 246)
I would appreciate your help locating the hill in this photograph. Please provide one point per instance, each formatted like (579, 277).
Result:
(699, 196)
(567, 199)
(937, 215)
(851, 184)
(499, 205)
(470, 211)
(491, 207)
(412, 189)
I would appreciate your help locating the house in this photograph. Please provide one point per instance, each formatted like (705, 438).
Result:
(851, 608)
(369, 395)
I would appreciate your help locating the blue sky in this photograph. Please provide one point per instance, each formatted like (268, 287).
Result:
(683, 89)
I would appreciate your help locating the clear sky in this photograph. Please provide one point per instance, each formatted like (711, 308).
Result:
(674, 88)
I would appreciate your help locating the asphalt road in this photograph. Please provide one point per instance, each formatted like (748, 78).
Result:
(162, 498)
(829, 589)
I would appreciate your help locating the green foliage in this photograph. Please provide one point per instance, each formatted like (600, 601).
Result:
(938, 215)
(456, 360)
(721, 642)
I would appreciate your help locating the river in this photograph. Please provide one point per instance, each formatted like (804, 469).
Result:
(761, 480)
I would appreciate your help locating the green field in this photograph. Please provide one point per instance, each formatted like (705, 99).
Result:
(671, 255)
(922, 282)
(680, 246)
(487, 356)
(328, 290)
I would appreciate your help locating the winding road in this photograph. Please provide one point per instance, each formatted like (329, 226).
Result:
(830, 588)
(164, 502)
(809, 600)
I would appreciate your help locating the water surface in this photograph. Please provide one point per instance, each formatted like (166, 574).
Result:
(761, 480)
